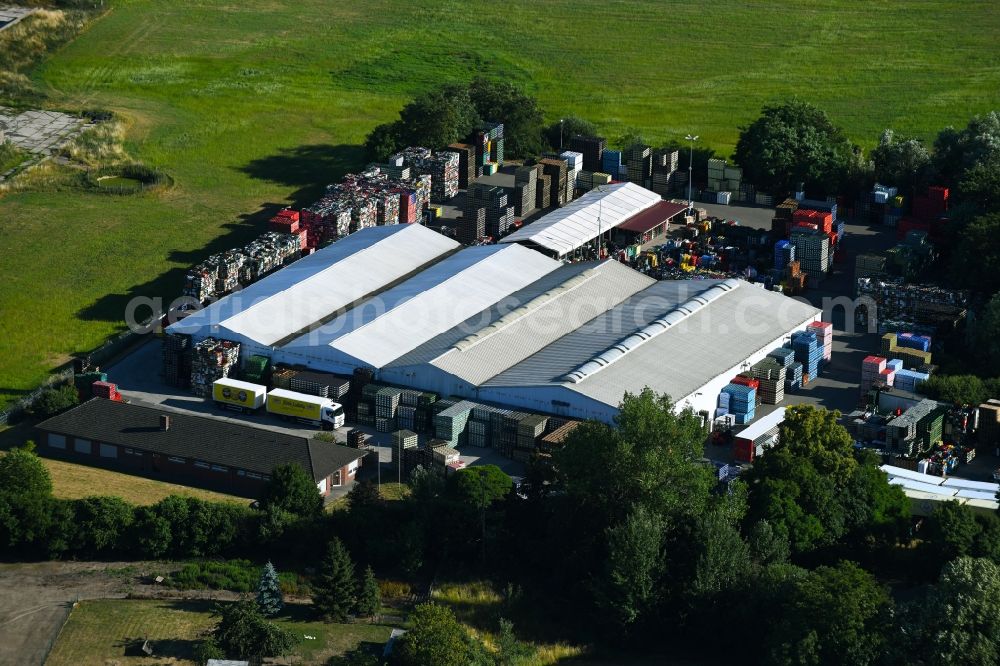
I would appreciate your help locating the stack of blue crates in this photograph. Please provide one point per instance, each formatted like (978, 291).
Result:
(913, 341)
(793, 377)
(784, 253)
(611, 160)
(784, 356)
(807, 352)
(840, 231)
(723, 407)
(742, 402)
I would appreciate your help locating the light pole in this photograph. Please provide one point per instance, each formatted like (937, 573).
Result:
(692, 139)
(600, 211)
(560, 133)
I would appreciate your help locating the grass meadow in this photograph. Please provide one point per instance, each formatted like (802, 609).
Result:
(253, 105)
(108, 631)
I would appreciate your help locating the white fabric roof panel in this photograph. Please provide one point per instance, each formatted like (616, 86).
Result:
(910, 484)
(679, 360)
(582, 220)
(540, 321)
(966, 484)
(904, 473)
(305, 292)
(381, 330)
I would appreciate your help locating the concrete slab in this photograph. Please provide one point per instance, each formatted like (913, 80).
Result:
(39, 132)
(10, 16)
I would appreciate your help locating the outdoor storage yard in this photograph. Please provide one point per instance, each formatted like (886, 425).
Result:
(200, 87)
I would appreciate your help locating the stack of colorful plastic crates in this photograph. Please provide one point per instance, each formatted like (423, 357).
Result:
(723, 407)
(824, 337)
(784, 253)
(909, 380)
(871, 369)
(742, 402)
(793, 377)
(807, 352)
(914, 341)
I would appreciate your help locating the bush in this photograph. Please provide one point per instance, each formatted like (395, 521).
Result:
(234, 575)
(52, 401)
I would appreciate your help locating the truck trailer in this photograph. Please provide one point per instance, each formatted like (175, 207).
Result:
(240, 396)
(310, 409)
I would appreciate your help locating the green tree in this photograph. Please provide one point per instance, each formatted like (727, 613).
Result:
(767, 544)
(510, 651)
(434, 637)
(980, 185)
(904, 163)
(270, 600)
(438, 117)
(505, 102)
(368, 597)
(25, 497)
(570, 126)
(334, 587)
(987, 332)
(950, 531)
(151, 536)
(834, 615)
(958, 622)
(630, 584)
(52, 401)
(975, 263)
(479, 487)
(208, 649)
(102, 524)
(957, 151)
(724, 561)
(650, 457)
(244, 633)
(364, 494)
(955, 389)
(384, 140)
(292, 489)
(793, 143)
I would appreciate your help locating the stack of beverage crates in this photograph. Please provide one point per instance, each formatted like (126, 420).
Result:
(84, 383)
(556, 169)
(176, 356)
(450, 423)
(785, 357)
(356, 438)
(212, 359)
(525, 185)
(401, 440)
(742, 402)
(466, 163)
(988, 420)
(808, 353)
(611, 162)
(323, 384)
(771, 374)
(907, 380)
(784, 253)
(443, 168)
(529, 429)
(638, 161)
(781, 223)
(255, 369)
(824, 337)
(574, 165)
(871, 372)
(915, 356)
(592, 149)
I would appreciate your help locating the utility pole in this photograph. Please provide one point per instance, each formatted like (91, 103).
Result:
(692, 139)
(560, 133)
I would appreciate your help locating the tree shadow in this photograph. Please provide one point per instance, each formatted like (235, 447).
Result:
(172, 648)
(310, 168)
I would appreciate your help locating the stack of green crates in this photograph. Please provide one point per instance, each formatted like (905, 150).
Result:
(256, 369)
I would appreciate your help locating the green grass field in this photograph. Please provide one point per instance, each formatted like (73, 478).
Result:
(252, 105)
(103, 631)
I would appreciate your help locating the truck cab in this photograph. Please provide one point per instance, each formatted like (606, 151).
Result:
(333, 416)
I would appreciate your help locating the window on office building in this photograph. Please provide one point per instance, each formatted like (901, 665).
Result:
(57, 441)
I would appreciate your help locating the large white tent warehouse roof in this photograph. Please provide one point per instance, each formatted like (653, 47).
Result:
(583, 220)
(308, 292)
(428, 304)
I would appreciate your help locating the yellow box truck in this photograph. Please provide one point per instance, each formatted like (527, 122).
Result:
(241, 396)
(304, 407)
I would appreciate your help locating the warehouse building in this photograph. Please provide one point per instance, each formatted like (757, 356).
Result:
(508, 325)
(652, 223)
(187, 449)
(594, 214)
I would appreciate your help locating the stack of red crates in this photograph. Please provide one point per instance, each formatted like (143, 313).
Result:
(106, 390)
(932, 206)
(407, 207)
(909, 224)
(746, 381)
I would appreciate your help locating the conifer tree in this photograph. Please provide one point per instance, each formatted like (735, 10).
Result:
(334, 588)
(269, 597)
(368, 595)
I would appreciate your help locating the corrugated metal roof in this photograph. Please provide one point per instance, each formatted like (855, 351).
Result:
(581, 221)
(652, 217)
(678, 361)
(298, 296)
(540, 321)
(381, 330)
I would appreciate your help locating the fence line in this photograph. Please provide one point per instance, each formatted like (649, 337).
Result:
(64, 373)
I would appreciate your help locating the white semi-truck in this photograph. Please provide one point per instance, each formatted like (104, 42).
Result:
(247, 397)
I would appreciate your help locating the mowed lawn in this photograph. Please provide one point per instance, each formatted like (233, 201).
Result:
(256, 104)
(108, 631)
